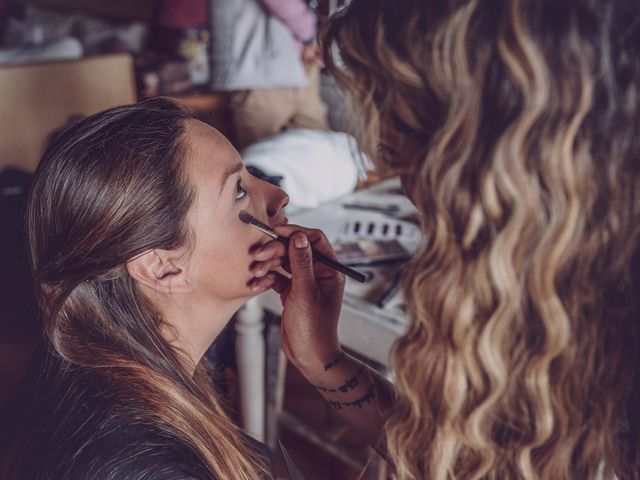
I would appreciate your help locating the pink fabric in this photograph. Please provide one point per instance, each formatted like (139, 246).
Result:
(296, 15)
(183, 13)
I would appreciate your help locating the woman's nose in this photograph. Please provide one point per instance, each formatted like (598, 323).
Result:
(277, 199)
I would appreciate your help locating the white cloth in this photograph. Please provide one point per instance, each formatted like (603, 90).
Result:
(41, 27)
(317, 166)
(63, 49)
(251, 49)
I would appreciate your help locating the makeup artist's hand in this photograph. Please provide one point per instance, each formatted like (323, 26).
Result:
(312, 299)
(311, 54)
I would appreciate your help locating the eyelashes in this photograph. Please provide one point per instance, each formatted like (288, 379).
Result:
(241, 192)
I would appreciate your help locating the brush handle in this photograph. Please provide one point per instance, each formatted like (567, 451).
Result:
(330, 262)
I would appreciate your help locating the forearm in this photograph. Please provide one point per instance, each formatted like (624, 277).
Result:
(296, 15)
(360, 396)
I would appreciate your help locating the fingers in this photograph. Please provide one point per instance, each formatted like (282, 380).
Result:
(301, 262)
(279, 283)
(272, 248)
(260, 284)
(287, 229)
(274, 254)
(270, 280)
(260, 269)
(269, 256)
(275, 248)
(316, 237)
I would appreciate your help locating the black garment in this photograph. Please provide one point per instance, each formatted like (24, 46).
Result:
(135, 452)
(61, 428)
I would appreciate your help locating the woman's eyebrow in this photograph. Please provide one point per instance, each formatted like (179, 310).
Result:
(228, 172)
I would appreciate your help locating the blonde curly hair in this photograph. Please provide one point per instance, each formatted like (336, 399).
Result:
(520, 358)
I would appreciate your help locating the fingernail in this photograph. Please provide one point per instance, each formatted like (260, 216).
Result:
(301, 241)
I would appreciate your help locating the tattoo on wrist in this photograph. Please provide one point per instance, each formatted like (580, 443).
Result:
(359, 402)
(349, 384)
(332, 363)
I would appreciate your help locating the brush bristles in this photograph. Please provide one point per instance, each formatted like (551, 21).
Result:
(250, 220)
(246, 217)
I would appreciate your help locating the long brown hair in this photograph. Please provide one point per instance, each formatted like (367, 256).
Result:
(108, 188)
(521, 349)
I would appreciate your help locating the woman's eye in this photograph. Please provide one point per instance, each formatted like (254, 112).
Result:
(240, 191)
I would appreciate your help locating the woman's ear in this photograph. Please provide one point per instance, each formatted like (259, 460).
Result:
(159, 270)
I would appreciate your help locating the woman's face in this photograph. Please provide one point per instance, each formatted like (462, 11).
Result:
(219, 264)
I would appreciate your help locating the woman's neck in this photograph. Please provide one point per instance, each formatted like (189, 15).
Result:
(192, 326)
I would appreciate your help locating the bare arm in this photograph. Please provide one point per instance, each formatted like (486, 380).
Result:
(360, 396)
(312, 300)
(296, 15)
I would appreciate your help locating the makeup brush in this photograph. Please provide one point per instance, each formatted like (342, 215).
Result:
(350, 272)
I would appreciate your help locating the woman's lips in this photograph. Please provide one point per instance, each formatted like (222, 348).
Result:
(283, 222)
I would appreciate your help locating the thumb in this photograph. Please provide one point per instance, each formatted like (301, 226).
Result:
(301, 262)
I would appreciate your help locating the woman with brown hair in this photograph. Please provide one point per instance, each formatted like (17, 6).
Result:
(139, 260)
(514, 125)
